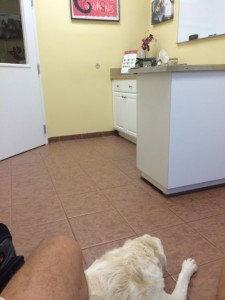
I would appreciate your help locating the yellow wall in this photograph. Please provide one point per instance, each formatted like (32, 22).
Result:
(204, 51)
(77, 95)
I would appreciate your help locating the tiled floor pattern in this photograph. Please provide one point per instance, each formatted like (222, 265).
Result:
(91, 190)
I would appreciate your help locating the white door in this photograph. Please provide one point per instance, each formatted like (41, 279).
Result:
(22, 120)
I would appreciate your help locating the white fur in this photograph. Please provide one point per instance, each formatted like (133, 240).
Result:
(135, 272)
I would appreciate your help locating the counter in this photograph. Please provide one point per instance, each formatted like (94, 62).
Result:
(181, 126)
(115, 74)
(177, 68)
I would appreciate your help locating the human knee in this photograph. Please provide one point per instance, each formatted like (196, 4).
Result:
(60, 243)
(64, 240)
(60, 239)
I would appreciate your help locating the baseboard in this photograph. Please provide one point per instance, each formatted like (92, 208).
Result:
(127, 137)
(81, 136)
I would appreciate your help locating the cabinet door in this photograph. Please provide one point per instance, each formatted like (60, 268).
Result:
(124, 113)
(131, 123)
(119, 112)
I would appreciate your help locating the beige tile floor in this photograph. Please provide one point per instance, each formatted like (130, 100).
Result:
(91, 190)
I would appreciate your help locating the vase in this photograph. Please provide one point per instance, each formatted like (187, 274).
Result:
(143, 53)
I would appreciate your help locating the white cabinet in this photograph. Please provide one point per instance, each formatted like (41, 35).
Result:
(124, 107)
(181, 129)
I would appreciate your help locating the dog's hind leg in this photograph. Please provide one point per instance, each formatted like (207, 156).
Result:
(189, 267)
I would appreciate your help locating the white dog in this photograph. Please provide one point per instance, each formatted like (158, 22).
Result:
(135, 272)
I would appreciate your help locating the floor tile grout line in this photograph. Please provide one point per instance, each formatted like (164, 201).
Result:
(126, 221)
(109, 242)
(121, 215)
(205, 238)
(212, 261)
(84, 193)
(196, 220)
(143, 232)
(89, 213)
(199, 265)
(134, 233)
(59, 199)
(187, 223)
(85, 172)
(97, 184)
(68, 218)
(84, 214)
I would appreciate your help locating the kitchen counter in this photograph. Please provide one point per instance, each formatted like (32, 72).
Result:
(115, 74)
(177, 68)
(181, 126)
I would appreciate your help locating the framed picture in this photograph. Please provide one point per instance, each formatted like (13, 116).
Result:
(162, 10)
(106, 10)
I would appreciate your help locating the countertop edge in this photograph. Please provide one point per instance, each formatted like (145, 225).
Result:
(115, 74)
(178, 68)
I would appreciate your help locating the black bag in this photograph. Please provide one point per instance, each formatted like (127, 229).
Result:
(9, 262)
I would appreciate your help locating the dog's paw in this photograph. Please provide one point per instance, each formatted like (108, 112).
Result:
(189, 267)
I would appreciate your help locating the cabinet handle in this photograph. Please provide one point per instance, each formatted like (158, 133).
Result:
(117, 85)
(130, 86)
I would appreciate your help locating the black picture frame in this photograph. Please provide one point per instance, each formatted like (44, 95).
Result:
(162, 10)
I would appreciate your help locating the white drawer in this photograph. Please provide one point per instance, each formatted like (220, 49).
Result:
(127, 86)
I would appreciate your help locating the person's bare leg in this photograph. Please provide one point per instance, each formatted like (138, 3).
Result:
(221, 287)
(54, 271)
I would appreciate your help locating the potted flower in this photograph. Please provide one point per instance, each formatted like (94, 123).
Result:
(145, 45)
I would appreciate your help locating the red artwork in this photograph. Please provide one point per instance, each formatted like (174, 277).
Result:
(107, 10)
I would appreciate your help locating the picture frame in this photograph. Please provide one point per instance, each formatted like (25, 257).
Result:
(162, 10)
(107, 10)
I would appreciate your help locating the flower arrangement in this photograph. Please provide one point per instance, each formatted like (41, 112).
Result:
(146, 41)
(17, 53)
